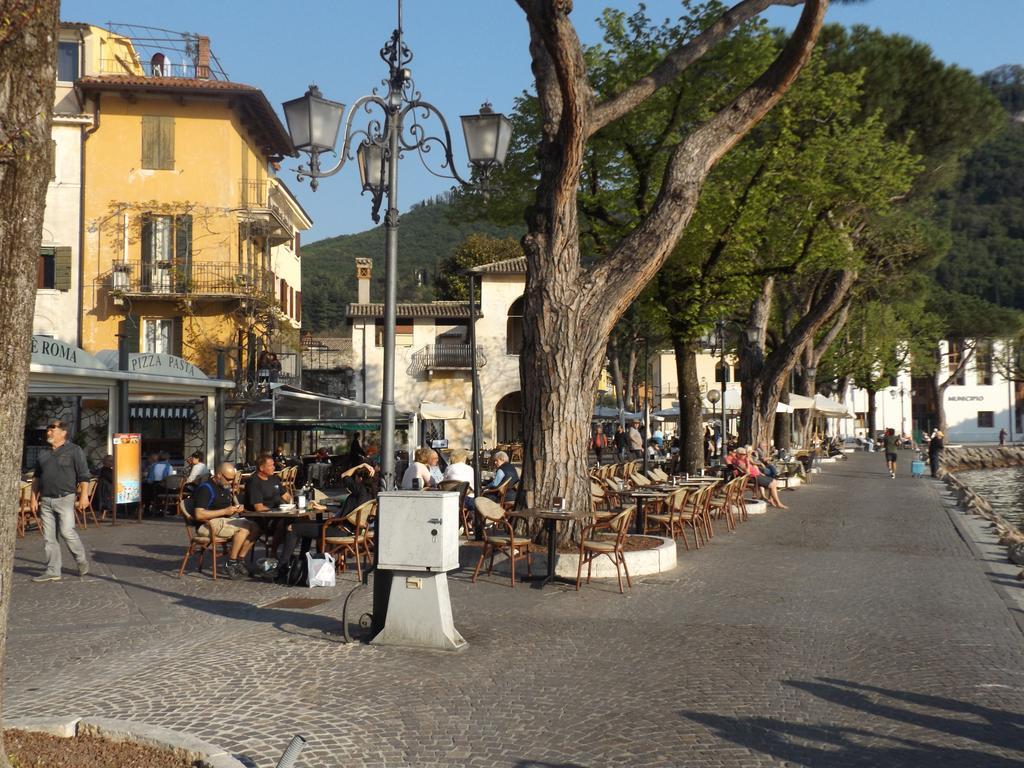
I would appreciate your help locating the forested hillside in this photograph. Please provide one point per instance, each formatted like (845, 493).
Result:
(426, 238)
(986, 208)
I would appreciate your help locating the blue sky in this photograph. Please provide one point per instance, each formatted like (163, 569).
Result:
(467, 51)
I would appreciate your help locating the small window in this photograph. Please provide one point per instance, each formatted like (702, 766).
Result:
(514, 328)
(403, 332)
(157, 143)
(47, 268)
(157, 336)
(67, 62)
(983, 363)
(986, 419)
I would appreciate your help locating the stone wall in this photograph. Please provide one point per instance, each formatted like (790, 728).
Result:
(982, 457)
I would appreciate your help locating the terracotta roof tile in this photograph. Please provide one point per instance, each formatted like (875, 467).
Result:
(276, 142)
(507, 267)
(438, 309)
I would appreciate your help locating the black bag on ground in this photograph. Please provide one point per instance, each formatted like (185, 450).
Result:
(295, 572)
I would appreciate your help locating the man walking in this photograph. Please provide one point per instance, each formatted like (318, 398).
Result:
(60, 471)
(890, 443)
(1002, 436)
(636, 440)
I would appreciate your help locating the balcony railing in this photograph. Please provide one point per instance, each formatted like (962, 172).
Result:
(169, 279)
(445, 357)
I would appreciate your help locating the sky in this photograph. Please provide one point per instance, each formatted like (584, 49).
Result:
(469, 51)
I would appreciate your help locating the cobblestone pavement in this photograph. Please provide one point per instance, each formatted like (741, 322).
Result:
(856, 629)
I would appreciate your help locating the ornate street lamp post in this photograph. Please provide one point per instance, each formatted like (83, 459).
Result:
(314, 124)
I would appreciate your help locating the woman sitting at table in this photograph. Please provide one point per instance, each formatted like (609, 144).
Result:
(419, 470)
(767, 486)
(361, 483)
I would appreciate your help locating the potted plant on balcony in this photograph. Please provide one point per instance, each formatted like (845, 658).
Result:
(122, 266)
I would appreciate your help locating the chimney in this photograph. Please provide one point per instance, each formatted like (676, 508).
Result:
(364, 269)
(203, 57)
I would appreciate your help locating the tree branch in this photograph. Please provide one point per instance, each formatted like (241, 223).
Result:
(678, 61)
(616, 281)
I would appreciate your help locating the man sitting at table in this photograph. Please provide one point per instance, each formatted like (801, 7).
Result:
(504, 470)
(264, 492)
(213, 505)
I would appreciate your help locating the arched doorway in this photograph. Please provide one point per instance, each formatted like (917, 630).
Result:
(508, 418)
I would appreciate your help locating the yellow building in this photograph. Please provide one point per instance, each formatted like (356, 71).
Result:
(189, 241)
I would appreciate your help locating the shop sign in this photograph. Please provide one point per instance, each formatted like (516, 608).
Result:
(128, 468)
(163, 365)
(47, 351)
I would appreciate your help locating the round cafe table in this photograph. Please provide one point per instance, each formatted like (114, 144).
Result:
(551, 517)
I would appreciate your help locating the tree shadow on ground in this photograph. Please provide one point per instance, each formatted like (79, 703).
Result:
(525, 763)
(872, 743)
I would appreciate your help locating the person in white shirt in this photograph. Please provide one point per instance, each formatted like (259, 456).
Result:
(198, 472)
(418, 470)
(436, 475)
(459, 470)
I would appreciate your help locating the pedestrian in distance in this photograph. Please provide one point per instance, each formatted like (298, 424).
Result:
(621, 442)
(599, 442)
(636, 440)
(935, 447)
(1002, 436)
(890, 444)
(61, 471)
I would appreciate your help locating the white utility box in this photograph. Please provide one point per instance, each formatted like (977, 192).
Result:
(419, 531)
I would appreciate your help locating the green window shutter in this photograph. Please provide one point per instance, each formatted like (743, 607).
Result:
(183, 250)
(157, 143)
(131, 328)
(176, 332)
(62, 268)
(146, 244)
(167, 143)
(150, 141)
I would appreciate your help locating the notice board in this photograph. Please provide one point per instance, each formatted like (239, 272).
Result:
(128, 468)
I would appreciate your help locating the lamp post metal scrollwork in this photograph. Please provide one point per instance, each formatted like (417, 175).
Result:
(314, 124)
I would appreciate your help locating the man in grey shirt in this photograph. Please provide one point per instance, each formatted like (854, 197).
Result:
(60, 472)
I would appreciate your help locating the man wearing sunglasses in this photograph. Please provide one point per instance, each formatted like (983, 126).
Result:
(60, 472)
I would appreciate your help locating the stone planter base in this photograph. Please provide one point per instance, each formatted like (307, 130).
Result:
(188, 747)
(758, 507)
(640, 563)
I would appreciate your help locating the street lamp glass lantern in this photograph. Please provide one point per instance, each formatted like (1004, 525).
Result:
(313, 121)
(370, 159)
(714, 396)
(487, 136)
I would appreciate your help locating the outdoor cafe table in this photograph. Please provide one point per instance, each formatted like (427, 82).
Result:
(641, 497)
(550, 518)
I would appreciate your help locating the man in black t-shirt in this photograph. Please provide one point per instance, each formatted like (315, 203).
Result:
(213, 505)
(890, 443)
(264, 491)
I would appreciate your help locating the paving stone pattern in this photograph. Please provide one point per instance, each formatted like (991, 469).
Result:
(856, 629)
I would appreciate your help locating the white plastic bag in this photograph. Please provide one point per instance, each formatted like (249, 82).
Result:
(321, 570)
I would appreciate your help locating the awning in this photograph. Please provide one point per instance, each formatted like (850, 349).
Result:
(783, 408)
(294, 408)
(800, 402)
(439, 412)
(607, 412)
(162, 411)
(826, 407)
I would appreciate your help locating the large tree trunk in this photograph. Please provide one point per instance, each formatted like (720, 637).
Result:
(28, 52)
(765, 378)
(691, 410)
(872, 419)
(570, 310)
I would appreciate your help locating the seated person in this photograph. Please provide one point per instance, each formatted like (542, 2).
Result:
(198, 471)
(459, 471)
(503, 470)
(105, 490)
(213, 505)
(264, 491)
(436, 473)
(158, 470)
(766, 485)
(419, 470)
(361, 483)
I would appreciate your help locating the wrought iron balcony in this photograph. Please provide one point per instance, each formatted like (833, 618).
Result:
(173, 280)
(261, 215)
(445, 357)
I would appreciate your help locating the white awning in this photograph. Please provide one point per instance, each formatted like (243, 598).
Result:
(783, 408)
(826, 407)
(440, 412)
(800, 402)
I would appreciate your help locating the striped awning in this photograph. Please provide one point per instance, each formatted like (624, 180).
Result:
(162, 411)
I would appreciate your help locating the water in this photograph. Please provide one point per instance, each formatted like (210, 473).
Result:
(1003, 488)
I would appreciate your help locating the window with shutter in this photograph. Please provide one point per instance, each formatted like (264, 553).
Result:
(129, 327)
(177, 327)
(62, 268)
(158, 143)
(298, 306)
(183, 252)
(45, 272)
